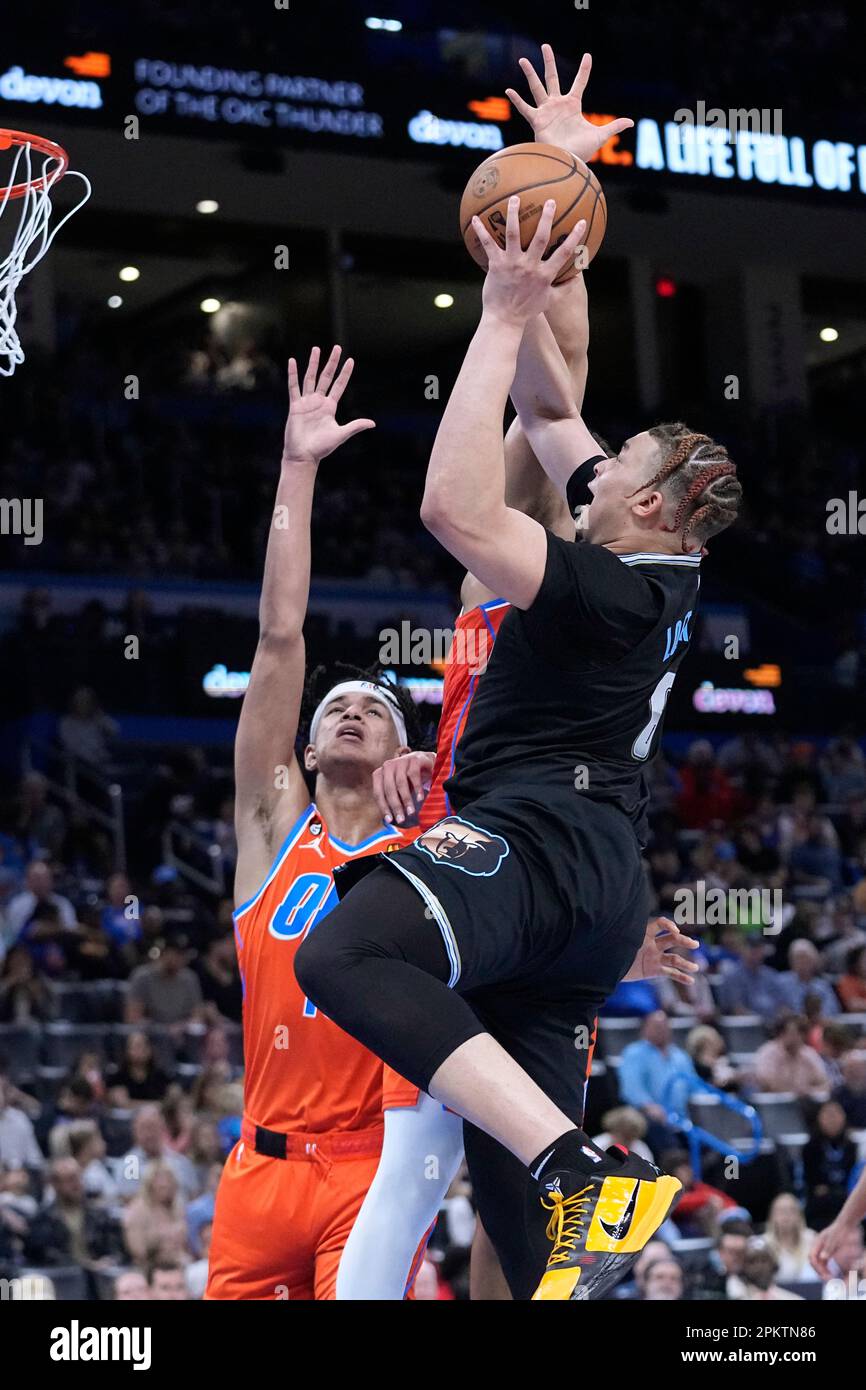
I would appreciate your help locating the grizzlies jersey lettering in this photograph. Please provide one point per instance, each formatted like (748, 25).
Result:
(576, 686)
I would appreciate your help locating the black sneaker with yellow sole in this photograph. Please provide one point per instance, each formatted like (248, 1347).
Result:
(604, 1208)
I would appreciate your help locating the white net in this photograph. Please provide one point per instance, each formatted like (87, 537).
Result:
(32, 236)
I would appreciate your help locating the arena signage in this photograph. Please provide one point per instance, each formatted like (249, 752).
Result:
(18, 85)
(788, 161)
(712, 699)
(267, 100)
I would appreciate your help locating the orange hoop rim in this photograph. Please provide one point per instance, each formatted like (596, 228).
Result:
(45, 146)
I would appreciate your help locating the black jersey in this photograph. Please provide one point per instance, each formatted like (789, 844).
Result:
(576, 686)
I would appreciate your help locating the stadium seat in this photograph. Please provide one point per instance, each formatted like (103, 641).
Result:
(743, 1032)
(780, 1112)
(63, 1043)
(615, 1034)
(709, 1112)
(19, 1047)
(693, 1253)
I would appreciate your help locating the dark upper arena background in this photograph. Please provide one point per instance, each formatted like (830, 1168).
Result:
(152, 429)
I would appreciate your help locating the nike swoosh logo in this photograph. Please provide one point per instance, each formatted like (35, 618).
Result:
(619, 1230)
(542, 1163)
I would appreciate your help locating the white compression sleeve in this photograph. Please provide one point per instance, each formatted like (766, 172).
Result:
(421, 1153)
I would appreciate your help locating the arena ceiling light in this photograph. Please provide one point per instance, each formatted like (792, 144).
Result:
(444, 301)
(391, 26)
(114, 301)
(207, 205)
(828, 335)
(210, 305)
(129, 273)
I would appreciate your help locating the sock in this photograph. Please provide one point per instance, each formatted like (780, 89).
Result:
(573, 1149)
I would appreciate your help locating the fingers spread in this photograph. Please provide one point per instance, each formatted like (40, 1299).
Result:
(342, 381)
(536, 86)
(329, 368)
(312, 371)
(519, 104)
(539, 242)
(551, 76)
(578, 86)
(294, 389)
(512, 226)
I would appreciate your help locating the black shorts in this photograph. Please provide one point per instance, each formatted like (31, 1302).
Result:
(541, 889)
(542, 906)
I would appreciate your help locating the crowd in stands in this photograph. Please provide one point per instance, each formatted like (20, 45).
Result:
(122, 1066)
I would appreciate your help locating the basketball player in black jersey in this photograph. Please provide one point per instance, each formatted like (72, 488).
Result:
(544, 905)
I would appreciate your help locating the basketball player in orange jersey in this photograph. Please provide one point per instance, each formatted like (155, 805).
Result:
(408, 1188)
(312, 1127)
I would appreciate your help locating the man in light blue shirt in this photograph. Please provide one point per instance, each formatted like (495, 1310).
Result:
(752, 987)
(803, 979)
(645, 1072)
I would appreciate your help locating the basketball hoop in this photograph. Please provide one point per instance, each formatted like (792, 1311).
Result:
(34, 231)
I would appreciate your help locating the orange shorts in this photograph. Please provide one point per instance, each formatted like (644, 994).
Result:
(280, 1225)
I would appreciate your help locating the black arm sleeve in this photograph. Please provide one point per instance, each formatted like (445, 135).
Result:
(577, 488)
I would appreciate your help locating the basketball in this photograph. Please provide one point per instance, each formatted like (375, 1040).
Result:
(535, 172)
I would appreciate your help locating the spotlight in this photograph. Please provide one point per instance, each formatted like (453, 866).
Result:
(443, 301)
(207, 205)
(114, 301)
(828, 335)
(129, 273)
(210, 305)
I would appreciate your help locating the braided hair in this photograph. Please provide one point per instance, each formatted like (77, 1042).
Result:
(699, 477)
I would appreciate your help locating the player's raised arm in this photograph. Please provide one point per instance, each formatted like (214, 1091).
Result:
(544, 398)
(268, 800)
(464, 499)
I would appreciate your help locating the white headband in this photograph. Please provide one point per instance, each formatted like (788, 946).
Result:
(377, 692)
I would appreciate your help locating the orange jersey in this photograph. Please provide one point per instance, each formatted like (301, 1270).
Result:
(474, 635)
(303, 1073)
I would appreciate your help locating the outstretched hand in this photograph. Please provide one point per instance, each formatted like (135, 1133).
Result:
(312, 432)
(557, 118)
(661, 954)
(519, 284)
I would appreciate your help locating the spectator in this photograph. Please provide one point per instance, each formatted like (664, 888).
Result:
(155, 1215)
(138, 1078)
(803, 978)
(788, 1063)
(722, 1277)
(692, 1000)
(815, 860)
(68, 1227)
(151, 1146)
(699, 1205)
(167, 991)
(760, 1268)
(709, 1054)
(24, 997)
(663, 1281)
(131, 1286)
(647, 1070)
(829, 1158)
(39, 825)
(196, 1271)
(119, 918)
(852, 985)
(851, 1095)
(219, 978)
(18, 1146)
(706, 794)
(38, 893)
(626, 1126)
(86, 732)
(752, 987)
(789, 1239)
(167, 1281)
(84, 1143)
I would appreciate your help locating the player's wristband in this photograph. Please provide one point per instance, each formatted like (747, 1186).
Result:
(577, 488)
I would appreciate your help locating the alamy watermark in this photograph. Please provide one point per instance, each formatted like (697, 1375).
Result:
(722, 907)
(755, 120)
(421, 646)
(22, 516)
